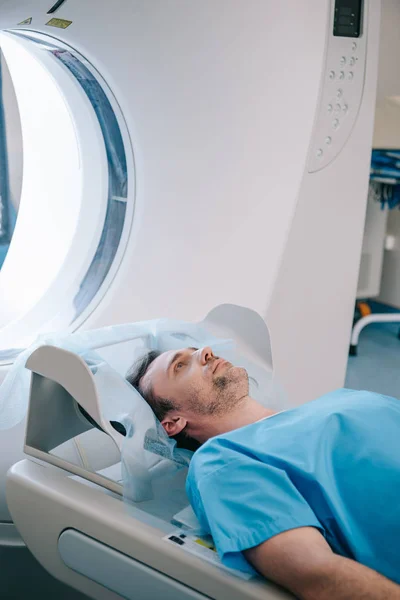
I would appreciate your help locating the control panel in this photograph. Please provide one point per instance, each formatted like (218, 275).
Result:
(342, 87)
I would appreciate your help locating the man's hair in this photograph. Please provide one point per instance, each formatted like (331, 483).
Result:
(160, 406)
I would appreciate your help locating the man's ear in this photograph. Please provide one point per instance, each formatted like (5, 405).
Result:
(173, 424)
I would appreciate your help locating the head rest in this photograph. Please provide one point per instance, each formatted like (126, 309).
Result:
(238, 334)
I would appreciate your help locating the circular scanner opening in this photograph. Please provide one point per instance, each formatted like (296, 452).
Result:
(66, 189)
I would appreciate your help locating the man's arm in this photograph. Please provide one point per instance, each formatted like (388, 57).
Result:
(301, 561)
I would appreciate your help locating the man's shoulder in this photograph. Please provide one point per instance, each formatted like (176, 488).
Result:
(210, 450)
(213, 455)
(243, 443)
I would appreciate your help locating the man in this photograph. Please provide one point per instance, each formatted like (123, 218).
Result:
(309, 497)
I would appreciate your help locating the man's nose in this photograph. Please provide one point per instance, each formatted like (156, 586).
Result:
(206, 354)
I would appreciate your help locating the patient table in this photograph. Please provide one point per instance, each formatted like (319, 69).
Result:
(73, 517)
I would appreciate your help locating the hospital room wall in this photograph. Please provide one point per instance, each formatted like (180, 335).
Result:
(387, 135)
(387, 115)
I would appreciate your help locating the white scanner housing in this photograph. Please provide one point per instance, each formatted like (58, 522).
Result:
(234, 194)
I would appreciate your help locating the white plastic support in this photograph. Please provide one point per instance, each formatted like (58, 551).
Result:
(60, 380)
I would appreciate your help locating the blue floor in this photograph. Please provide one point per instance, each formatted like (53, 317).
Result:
(377, 366)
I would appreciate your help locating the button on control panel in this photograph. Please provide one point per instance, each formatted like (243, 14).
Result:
(340, 96)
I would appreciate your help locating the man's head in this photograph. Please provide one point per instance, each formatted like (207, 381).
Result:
(188, 388)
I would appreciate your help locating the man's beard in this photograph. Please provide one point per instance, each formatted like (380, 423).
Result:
(228, 392)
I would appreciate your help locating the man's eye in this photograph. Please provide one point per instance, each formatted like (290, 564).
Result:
(179, 365)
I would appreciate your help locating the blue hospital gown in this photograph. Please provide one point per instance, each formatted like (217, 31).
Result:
(333, 464)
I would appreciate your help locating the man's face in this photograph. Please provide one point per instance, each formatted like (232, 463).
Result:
(198, 382)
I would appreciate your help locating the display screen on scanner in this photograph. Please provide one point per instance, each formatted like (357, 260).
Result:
(347, 19)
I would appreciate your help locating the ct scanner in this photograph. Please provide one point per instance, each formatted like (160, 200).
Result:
(217, 151)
